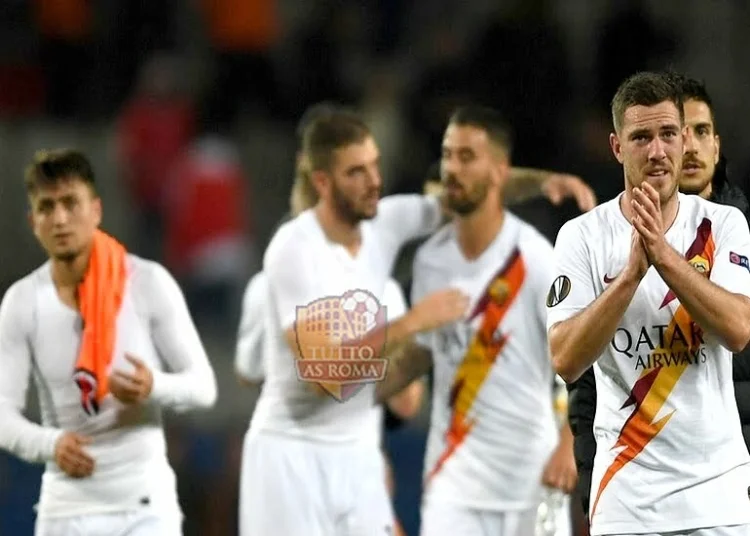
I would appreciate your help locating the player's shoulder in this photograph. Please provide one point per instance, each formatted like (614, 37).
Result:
(21, 292)
(148, 277)
(595, 222)
(291, 238)
(529, 237)
(432, 251)
(699, 208)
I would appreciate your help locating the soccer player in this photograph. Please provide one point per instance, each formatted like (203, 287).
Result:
(704, 174)
(317, 470)
(110, 342)
(652, 290)
(493, 440)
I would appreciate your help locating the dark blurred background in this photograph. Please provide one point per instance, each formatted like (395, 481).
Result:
(187, 109)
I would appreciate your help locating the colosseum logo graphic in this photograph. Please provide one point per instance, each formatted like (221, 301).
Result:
(341, 341)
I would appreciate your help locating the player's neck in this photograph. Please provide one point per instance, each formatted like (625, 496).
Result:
(707, 191)
(338, 230)
(67, 274)
(476, 231)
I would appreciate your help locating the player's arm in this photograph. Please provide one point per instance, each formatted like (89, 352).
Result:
(529, 183)
(580, 324)
(409, 216)
(408, 362)
(188, 380)
(19, 436)
(249, 355)
(407, 403)
(721, 304)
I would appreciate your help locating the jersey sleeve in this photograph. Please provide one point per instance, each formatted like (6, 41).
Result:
(19, 436)
(292, 282)
(572, 288)
(249, 359)
(188, 380)
(407, 217)
(394, 300)
(731, 269)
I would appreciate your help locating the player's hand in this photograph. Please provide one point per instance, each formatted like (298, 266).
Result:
(132, 388)
(560, 471)
(70, 456)
(638, 262)
(439, 308)
(559, 186)
(647, 220)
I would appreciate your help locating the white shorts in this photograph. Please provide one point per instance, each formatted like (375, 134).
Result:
(291, 487)
(443, 519)
(136, 523)
(733, 530)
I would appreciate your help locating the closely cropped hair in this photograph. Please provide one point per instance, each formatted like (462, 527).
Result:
(693, 89)
(489, 120)
(330, 132)
(645, 89)
(49, 167)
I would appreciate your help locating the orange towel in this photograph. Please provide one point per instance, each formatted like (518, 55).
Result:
(99, 298)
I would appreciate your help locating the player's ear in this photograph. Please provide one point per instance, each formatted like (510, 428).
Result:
(614, 143)
(321, 182)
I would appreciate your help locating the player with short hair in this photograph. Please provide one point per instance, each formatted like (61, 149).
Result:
(652, 290)
(316, 467)
(493, 440)
(110, 342)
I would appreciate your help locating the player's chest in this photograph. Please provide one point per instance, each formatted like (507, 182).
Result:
(58, 331)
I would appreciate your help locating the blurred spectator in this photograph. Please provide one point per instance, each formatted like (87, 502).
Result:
(65, 30)
(241, 34)
(629, 41)
(21, 82)
(208, 242)
(155, 126)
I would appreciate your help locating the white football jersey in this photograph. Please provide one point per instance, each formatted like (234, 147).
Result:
(670, 454)
(492, 428)
(302, 265)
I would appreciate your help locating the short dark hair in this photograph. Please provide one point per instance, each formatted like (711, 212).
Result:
(51, 166)
(645, 89)
(694, 89)
(330, 132)
(488, 119)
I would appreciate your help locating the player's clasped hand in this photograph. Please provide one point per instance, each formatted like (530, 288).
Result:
(132, 388)
(71, 457)
(647, 220)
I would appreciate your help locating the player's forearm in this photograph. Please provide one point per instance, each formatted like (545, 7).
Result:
(407, 363)
(407, 403)
(524, 183)
(722, 313)
(576, 343)
(27, 440)
(192, 388)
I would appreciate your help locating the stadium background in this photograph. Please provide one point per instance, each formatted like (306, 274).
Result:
(188, 110)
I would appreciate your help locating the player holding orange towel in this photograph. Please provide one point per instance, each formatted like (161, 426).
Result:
(110, 342)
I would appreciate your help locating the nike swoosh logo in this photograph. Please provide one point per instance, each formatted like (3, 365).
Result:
(608, 280)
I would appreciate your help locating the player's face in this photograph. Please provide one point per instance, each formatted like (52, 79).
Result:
(701, 148)
(467, 168)
(355, 181)
(64, 216)
(649, 146)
